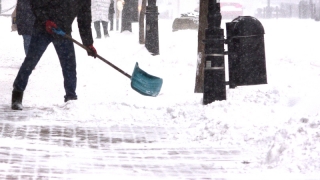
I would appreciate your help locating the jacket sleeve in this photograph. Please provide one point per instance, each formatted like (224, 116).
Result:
(84, 23)
(40, 9)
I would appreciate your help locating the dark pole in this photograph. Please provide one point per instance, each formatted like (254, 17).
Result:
(126, 17)
(152, 30)
(214, 71)
(111, 14)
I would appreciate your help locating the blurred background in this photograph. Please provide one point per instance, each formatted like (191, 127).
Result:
(171, 9)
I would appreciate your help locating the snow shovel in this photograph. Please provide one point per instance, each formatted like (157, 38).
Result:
(141, 81)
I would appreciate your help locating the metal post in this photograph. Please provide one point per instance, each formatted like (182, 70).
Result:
(126, 17)
(214, 72)
(111, 14)
(152, 30)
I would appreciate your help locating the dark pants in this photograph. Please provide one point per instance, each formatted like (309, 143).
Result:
(26, 42)
(65, 50)
(104, 26)
(111, 22)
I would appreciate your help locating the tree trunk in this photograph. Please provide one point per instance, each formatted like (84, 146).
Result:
(141, 22)
(203, 24)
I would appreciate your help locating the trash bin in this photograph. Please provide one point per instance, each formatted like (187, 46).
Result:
(246, 52)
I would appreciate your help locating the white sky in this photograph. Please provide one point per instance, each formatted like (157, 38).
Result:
(276, 124)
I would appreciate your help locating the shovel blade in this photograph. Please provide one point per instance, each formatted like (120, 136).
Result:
(145, 83)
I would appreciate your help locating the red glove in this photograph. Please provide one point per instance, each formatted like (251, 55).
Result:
(50, 25)
(92, 52)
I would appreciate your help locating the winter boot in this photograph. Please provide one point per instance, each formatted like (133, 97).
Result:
(68, 98)
(16, 102)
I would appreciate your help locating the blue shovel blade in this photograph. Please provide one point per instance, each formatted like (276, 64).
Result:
(145, 83)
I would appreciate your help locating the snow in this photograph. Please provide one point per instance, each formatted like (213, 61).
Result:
(276, 124)
(7, 6)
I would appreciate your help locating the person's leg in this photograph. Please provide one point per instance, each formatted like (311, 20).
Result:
(26, 42)
(65, 50)
(111, 23)
(105, 28)
(39, 43)
(97, 28)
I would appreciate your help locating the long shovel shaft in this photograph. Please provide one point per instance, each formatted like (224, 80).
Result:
(101, 58)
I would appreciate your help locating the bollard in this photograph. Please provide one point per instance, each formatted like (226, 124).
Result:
(246, 52)
(152, 30)
(129, 14)
(214, 72)
(111, 14)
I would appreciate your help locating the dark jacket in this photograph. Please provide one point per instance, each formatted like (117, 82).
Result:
(63, 13)
(24, 17)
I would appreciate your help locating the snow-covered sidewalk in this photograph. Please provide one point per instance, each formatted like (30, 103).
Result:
(268, 130)
(118, 152)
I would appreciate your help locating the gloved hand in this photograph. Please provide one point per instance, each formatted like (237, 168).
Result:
(50, 25)
(93, 51)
